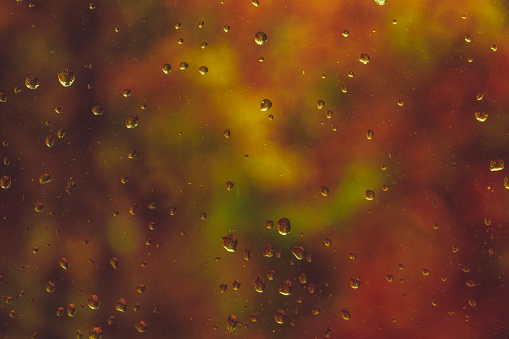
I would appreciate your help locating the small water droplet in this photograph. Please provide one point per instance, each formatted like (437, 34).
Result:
(496, 164)
(247, 254)
(265, 105)
(131, 121)
(180, 41)
(369, 134)
(97, 110)
(494, 48)
(32, 82)
(369, 195)
(5, 182)
(280, 316)
(133, 208)
(126, 93)
(141, 326)
(345, 314)
(355, 283)
(269, 250)
(299, 252)
(60, 133)
(320, 104)
(364, 58)
(203, 45)
(260, 285)
(3, 97)
(260, 38)
(328, 242)
(425, 271)
(178, 25)
(166, 68)
(71, 310)
(50, 287)
(481, 116)
(285, 287)
(39, 207)
(315, 310)
(254, 318)
(114, 262)
(64, 263)
(203, 70)
(283, 226)
(226, 28)
(468, 38)
(50, 140)
(230, 243)
(121, 305)
(66, 77)
(255, 3)
(325, 191)
(381, 2)
(236, 285)
(93, 302)
(183, 65)
(346, 33)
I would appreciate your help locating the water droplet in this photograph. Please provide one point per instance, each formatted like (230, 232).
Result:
(111, 320)
(381, 2)
(345, 314)
(64, 263)
(97, 110)
(203, 216)
(299, 252)
(71, 310)
(260, 285)
(50, 140)
(226, 28)
(121, 305)
(425, 271)
(236, 285)
(203, 45)
(93, 302)
(315, 310)
(183, 65)
(369, 134)
(265, 105)
(131, 121)
(329, 114)
(124, 179)
(141, 326)
(3, 97)
(472, 302)
(131, 154)
(280, 316)
(369, 195)
(346, 33)
(254, 318)
(283, 226)
(328, 333)
(66, 77)
(203, 70)
(60, 133)
(178, 25)
(126, 92)
(481, 116)
(320, 104)
(496, 164)
(229, 185)
(223, 288)
(285, 287)
(344, 89)
(255, 3)
(232, 322)
(389, 277)
(32, 82)
(50, 287)
(39, 207)
(355, 283)
(468, 38)
(166, 68)
(95, 333)
(506, 182)
(364, 58)
(136, 307)
(5, 182)
(269, 250)
(140, 288)
(35, 249)
(328, 242)
(325, 191)
(60, 311)
(180, 41)
(114, 262)
(260, 38)
(479, 96)
(230, 243)
(226, 133)
(494, 48)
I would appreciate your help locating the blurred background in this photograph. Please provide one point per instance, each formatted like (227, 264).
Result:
(137, 134)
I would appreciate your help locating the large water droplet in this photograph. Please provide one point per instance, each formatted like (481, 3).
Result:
(97, 110)
(5, 182)
(166, 68)
(283, 226)
(364, 58)
(496, 164)
(285, 287)
(121, 305)
(269, 250)
(93, 302)
(280, 316)
(131, 121)
(299, 252)
(369, 195)
(230, 243)
(32, 82)
(265, 105)
(66, 77)
(71, 310)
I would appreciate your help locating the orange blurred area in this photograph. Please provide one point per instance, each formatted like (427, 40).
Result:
(152, 149)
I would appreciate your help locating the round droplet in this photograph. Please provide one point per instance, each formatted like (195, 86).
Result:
(369, 134)
(369, 195)
(3, 97)
(203, 45)
(140, 288)
(180, 41)
(320, 104)
(344, 89)
(126, 92)
(178, 25)
(283, 226)
(114, 262)
(93, 302)
(226, 28)
(381, 2)
(364, 58)
(265, 105)
(5, 182)
(329, 114)
(496, 164)
(32, 82)
(97, 110)
(425, 271)
(203, 70)
(260, 285)
(166, 68)
(39, 207)
(141, 326)
(50, 287)
(285, 287)
(280, 316)
(255, 3)
(223, 288)
(247, 254)
(49, 140)
(346, 33)
(328, 242)
(494, 48)
(325, 191)
(203, 215)
(355, 283)
(345, 314)
(229, 185)
(271, 274)
(230, 243)
(183, 65)
(236, 285)
(131, 121)
(481, 116)
(260, 38)
(66, 77)
(131, 154)
(71, 310)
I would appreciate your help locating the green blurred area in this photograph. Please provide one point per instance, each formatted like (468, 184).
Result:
(437, 223)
